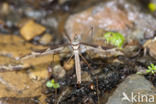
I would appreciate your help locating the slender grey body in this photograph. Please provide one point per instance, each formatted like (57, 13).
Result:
(76, 46)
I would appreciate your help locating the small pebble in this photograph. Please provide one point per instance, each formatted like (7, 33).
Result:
(46, 39)
(92, 86)
(68, 65)
(5, 9)
(38, 74)
(31, 29)
(58, 71)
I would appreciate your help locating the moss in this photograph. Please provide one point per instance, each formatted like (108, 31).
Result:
(114, 38)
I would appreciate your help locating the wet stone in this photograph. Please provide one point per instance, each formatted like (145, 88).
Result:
(101, 17)
(134, 85)
(50, 21)
(14, 46)
(31, 29)
(12, 86)
(118, 16)
(19, 83)
(34, 61)
(109, 16)
(136, 14)
(35, 14)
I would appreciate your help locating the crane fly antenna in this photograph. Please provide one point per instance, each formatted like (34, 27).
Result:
(90, 32)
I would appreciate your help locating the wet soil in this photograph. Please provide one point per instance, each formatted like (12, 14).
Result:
(105, 77)
(105, 73)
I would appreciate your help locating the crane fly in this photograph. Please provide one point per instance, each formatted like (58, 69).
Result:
(76, 47)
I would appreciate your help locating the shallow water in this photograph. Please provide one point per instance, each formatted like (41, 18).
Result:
(25, 85)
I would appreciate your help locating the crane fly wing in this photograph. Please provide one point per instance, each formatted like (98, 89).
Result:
(91, 33)
(47, 51)
(93, 46)
(102, 49)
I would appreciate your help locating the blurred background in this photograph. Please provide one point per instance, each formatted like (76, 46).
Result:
(36, 25)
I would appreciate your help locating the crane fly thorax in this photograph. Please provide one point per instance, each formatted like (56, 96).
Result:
(75, 46)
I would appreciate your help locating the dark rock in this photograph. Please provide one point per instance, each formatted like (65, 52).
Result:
(134, 85)
(120, 15)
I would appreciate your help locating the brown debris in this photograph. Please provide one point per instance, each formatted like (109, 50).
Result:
(151, 46)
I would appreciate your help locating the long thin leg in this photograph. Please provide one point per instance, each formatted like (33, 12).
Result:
(86, 61)
(70, 58)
